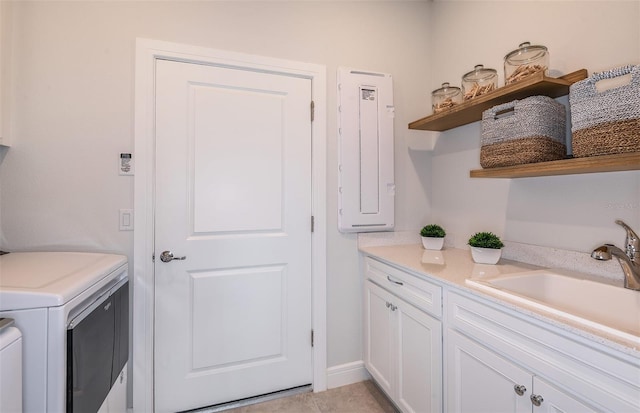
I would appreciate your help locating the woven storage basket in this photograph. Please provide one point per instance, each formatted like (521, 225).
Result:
(523, 131)
(605, 122)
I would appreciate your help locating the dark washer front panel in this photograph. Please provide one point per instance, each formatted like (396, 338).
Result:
(97, 349)
(121, 338)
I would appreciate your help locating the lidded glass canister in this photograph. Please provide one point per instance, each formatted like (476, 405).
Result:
(525, 61)
(446, 97)
(479, 81)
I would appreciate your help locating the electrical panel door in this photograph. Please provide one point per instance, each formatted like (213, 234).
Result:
(366, 190)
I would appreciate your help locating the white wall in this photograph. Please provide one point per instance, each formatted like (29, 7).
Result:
(73, 114)
(568, 212)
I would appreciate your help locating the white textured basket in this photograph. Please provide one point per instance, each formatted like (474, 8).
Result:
(523, 131)
(608, 121)
(533, 116)
(589, 107)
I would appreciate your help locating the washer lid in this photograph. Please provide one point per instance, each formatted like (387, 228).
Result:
(50, 279)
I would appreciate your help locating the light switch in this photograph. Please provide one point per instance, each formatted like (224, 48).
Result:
(126, 220)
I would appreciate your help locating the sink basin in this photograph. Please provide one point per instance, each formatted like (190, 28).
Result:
(613, 310)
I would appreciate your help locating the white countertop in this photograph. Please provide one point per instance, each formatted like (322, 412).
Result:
(453, 266)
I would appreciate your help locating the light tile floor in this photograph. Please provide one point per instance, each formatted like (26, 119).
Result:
(364, 397)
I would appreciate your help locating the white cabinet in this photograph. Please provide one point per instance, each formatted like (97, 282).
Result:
(492, 358)
(419, 360)
(403, 343)
(493, 354)
(479, 380)
(378, 328)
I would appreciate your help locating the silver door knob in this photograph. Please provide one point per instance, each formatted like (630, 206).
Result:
(536, 399)
(167, 256)
(520, 389)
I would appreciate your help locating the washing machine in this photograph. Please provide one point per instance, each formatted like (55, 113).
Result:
(72, 310)
(10, 367)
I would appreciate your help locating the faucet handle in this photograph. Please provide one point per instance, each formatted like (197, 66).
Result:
(632, 241)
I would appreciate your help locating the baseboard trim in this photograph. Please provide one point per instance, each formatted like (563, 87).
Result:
(347, 373)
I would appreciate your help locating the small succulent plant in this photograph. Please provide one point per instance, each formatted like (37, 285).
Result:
(485, 240)
(432, 231)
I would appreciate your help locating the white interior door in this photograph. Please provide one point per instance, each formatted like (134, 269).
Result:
(233, 195)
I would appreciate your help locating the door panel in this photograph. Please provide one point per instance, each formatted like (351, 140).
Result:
(233, 195)
(481, 381)
(557, 401)
(419, 360)
(216, 308)
(237, 178)
(379, 336)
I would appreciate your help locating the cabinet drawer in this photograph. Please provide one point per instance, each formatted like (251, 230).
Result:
(419, 292)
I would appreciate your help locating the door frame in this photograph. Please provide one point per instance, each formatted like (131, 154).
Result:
(147, 52)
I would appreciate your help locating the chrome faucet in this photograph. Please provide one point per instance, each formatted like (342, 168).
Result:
(629, 259)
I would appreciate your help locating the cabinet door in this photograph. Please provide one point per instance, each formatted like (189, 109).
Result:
(378, 330)
(419, 357)
(478, 380)
(555, 400)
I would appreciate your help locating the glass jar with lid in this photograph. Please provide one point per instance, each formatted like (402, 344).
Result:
(525, 61)
(479, 81)
(446, 97)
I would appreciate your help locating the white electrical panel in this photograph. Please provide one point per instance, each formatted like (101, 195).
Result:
(366, 191)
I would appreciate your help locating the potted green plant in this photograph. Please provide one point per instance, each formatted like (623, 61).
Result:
(432, 237)
(486, 247)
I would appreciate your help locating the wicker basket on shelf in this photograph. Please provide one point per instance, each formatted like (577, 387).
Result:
(523, 131)
(606, 122)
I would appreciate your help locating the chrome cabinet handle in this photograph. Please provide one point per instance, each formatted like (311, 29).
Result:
(536, 399)
(167, 256)
(520, 389)
(394, 281)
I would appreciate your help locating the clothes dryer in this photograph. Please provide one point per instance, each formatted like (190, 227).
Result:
(10, 367)
(57, 300)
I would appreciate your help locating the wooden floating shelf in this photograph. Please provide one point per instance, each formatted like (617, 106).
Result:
(471, 110)
(604, 163)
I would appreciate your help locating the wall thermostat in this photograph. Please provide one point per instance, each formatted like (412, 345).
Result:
(125, 164)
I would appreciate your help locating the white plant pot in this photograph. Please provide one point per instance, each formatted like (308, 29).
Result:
(486, 255)
(432, 243)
